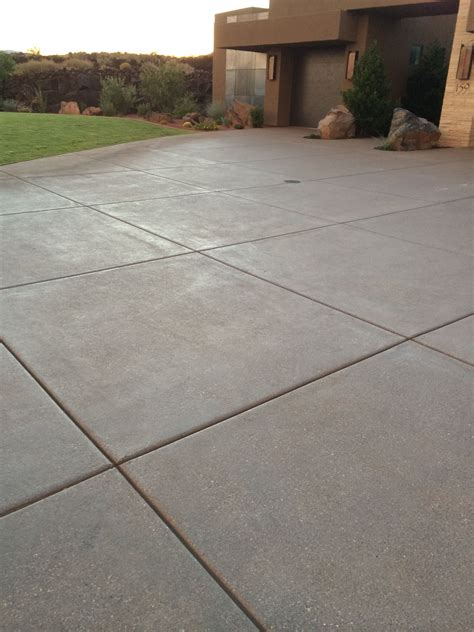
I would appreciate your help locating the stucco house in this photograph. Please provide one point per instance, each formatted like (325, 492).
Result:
(296, 57)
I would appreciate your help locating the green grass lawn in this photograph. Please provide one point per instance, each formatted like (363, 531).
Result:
(26, 136)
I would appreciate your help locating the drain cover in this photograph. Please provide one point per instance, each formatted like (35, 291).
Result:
(293, 181)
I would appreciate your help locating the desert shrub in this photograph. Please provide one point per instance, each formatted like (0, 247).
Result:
(238, 126)
(385, 145)
(369, 98)
(36, 67)
(107, 106)
(208, 125)
(216, 111)
(162, 86)
(74, 63)
(116, 97)
(144, 109)
(226, 122)
(185, 105)
(125, 66)
(426, 84)
(256, 116)
(40, 101)
(9, 105)
(7, 65)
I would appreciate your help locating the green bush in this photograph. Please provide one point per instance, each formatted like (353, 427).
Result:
(208, 125)
(369, 98)
(116, 97)
(33, 67)
(9, 105)
(185, 105)
(74, 63)
(238, 126)
(426, 84)
(144, 109)
(162, 86)
(256, 116)
(216, 111)
(7, 65)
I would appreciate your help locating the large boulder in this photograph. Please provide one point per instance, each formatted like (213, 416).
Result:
(409, 132)
(194, 117)
(92, 111)
(69, 107)
(338, 123)
(240, 112)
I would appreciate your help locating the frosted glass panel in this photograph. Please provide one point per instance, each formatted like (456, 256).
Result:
(245, 76)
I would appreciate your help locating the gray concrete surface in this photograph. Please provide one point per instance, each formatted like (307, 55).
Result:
(276, 375)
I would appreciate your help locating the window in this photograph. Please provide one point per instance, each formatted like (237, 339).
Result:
(271, 69)
(465, 62)
(245, 76)
(416, 52)
(352, 57)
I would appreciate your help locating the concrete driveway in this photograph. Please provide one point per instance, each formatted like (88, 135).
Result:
(237, 373)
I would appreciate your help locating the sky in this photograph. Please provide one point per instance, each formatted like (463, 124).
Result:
(168, 27)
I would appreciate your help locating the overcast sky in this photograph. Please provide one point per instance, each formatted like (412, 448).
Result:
(170, 27)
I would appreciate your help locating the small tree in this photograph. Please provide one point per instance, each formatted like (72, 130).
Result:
(426, 84)
(7, 66)
(369, 98)
(162, 86)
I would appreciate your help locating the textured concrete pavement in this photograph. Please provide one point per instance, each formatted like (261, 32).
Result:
(237, 373)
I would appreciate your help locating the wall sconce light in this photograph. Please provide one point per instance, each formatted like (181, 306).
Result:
(465, 62)
(271, 67)
(352, 57)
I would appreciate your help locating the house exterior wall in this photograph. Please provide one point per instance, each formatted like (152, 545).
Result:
(396, 37)
(457, 117)
(304, 35)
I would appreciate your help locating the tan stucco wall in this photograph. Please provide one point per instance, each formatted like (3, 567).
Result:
(395, 38)
(457, 118)
(278, 93)
(282, 8)
(218, 75)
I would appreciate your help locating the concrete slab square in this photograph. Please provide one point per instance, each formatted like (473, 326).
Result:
(96, 557)
(41, 449)
(147, 353)
(340, 505)
(146, 158)
(456, 339)
(332, 160)
(326, 200)
(113, 187)
(386, 281)
(17, 196)
(437, 183)
(40, 246)
(449, 226)
(220, 176)
(263, 152)
(68, 164)
(210, 219)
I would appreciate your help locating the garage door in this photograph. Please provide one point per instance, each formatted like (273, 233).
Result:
(319, 74)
